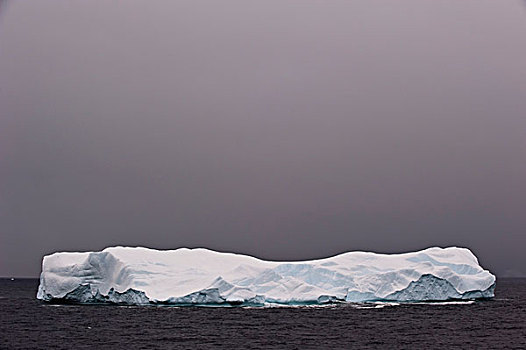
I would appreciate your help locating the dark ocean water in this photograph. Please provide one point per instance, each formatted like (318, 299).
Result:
(28, 323)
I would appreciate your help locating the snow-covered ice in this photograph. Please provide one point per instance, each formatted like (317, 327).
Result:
(138, 276)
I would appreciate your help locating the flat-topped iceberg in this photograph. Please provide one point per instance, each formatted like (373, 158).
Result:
(139, 276)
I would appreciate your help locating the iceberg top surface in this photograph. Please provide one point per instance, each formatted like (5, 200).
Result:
(175, 274)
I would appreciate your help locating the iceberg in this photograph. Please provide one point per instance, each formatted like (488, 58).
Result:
(143, 276)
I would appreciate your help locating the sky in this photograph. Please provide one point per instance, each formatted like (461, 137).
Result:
(282, 129)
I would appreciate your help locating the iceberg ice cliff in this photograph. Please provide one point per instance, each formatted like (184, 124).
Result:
(140, 276)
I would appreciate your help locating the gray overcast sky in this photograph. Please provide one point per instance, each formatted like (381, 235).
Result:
(281, 129)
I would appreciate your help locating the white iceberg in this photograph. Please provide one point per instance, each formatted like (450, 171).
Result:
(138, 276)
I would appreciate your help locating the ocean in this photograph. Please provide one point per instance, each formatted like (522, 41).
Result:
(27, 323)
